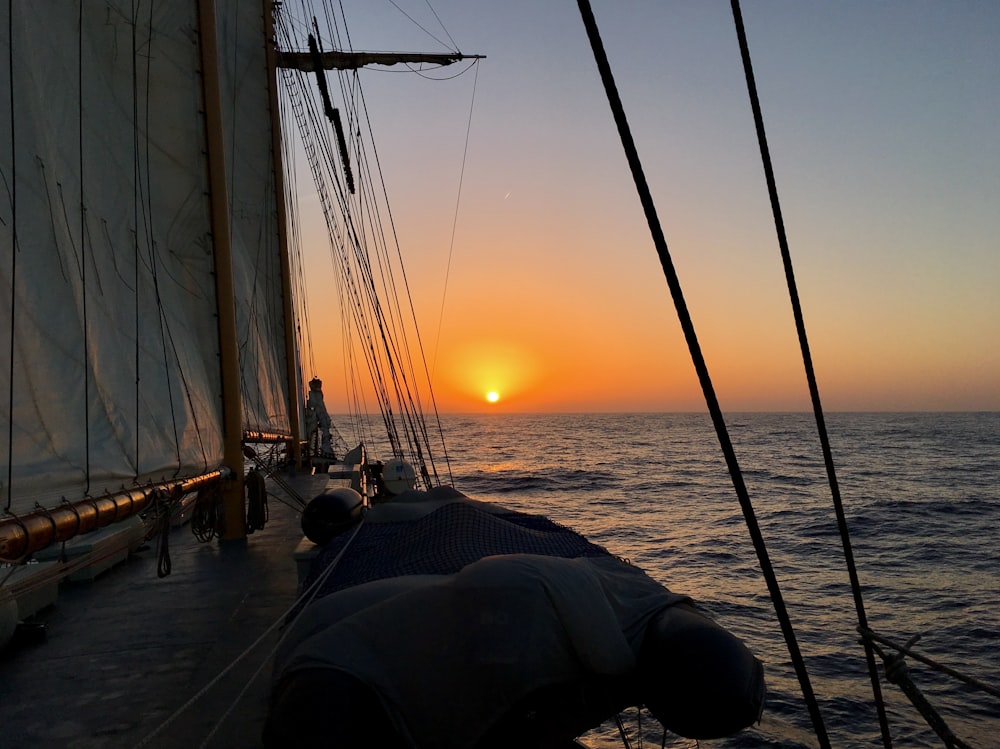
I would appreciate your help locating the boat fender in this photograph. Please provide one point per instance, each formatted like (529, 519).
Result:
(331, 513)
(699, 680)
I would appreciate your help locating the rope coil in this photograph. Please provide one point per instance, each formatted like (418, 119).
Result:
(161, 528)
(257, 512)
(206, 517)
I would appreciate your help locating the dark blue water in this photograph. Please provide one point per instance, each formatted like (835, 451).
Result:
(922, 499)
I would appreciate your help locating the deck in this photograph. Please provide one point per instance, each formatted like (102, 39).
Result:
(124, 652)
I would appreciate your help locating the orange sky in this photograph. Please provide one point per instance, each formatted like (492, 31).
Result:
(886, 153)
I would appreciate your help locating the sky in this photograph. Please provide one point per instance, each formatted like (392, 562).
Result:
(883, 123)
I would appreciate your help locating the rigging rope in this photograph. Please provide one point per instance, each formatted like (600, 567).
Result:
(451, 247)
(897, 672)
(161, 527)
(867, 634)
(12, 191)
(262, 470)
(84, 298)
(422, 28)
(138, 209)
(415, 413)
(810, 371)
(360, 250)
(622, 732)
(454, 223)
(206, 515)
(701, 367)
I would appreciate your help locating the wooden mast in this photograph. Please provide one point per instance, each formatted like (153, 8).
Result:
(234, 513)
(291, 357)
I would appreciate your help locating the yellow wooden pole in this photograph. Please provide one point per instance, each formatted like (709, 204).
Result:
(291, 361)
(234, 512)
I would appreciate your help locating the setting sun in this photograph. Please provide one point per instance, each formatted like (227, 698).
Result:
(486, 373)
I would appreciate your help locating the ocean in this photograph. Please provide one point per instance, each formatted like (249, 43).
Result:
(922, 497)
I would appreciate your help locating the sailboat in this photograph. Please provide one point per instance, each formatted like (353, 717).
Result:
(151, 317)
(151, 336)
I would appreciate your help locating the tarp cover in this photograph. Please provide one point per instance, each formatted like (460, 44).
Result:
(449, 652)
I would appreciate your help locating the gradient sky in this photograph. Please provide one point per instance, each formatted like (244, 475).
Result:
(883, 122)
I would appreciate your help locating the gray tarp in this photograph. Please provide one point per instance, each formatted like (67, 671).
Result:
(448, 654)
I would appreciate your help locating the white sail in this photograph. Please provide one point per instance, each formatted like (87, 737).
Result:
(109, 346)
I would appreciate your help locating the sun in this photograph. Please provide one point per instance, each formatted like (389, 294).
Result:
(493, 396)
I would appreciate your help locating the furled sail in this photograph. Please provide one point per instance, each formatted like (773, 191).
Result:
(109, 341)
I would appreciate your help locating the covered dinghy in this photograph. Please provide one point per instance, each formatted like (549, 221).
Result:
(456, 624)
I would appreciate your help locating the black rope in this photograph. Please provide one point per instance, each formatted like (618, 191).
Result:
(906, 650)
(257, 513)
(83, 260)
(13, 262)
(897, 672)
(161, 527)
(622, 732)
(153, 267)
(701, 367)
(800, 327)
(136, 201)
(360, 250)
(206, 515)
(358, 277)
(388, 326)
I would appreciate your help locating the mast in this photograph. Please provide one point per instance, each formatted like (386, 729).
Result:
(234, 515)
(291, 360)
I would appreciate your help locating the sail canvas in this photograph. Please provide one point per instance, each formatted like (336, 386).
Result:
(108, 307)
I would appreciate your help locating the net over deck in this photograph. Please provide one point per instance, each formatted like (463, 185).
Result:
(442, 542)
